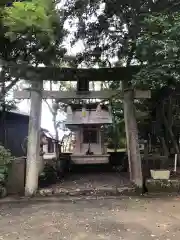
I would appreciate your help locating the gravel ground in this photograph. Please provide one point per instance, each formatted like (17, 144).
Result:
(113, 219)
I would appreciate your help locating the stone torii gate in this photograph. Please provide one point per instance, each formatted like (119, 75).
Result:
(36, 94)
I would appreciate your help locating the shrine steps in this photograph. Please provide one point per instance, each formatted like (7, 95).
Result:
(89, 192)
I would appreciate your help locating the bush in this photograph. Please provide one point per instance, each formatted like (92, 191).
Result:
(5, 161)
(5, 156)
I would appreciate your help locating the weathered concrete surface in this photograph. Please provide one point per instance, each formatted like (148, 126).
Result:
(112, 219)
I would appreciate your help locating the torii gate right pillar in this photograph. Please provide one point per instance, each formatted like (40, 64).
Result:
(134, 156)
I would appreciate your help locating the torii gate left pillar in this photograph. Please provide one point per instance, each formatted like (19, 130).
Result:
(33, 148)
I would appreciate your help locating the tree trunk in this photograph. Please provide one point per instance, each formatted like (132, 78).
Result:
(3, 105)
(54, 112)
(132, 139)
(8, 88)
(33, 149)
(171, 134)
(56, 134)
(93, 86)
(164, 147)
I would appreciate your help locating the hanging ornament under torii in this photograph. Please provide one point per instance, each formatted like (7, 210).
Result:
(84, 111)
(98, 109)
(69, 110)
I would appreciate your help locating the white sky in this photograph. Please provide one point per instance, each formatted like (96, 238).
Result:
(46, 120)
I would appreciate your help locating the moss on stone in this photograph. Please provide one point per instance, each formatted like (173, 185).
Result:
(158, 185)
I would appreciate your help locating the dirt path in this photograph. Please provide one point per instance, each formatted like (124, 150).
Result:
(112, 219)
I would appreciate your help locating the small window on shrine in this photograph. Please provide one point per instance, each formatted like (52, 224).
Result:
(90, 135)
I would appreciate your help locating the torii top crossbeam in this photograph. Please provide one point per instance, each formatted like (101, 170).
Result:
(74, 74)
(83, 77)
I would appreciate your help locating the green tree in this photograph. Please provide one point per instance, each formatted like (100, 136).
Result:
(31, 33)
(35, 17)
(159, 47)
(109, 29)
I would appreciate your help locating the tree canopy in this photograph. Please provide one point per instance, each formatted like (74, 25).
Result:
(31, 32)
(109, 29)
(36, 17)
(159, 48)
